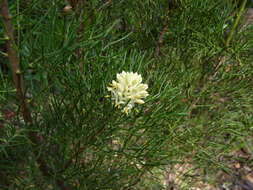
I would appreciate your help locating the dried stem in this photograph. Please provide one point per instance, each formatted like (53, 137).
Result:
(80, 51)
(19, 85)
(78, 6)
(160, 40)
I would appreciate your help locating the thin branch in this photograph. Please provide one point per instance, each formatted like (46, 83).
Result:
(11, 52)
(19, 85)
(80, 51)
(79, 7)
(80, 150)
(236, 23)
(160, 40)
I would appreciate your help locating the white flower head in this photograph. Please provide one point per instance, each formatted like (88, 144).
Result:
(128, 90)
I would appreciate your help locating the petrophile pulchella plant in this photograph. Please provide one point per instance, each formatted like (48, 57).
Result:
(112, 95)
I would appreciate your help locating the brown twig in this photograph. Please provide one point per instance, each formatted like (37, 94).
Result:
(19, 85)
(160, 40)
(80, 51)
(78, 6)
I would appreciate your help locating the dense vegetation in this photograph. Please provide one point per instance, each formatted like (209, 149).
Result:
(59, 128)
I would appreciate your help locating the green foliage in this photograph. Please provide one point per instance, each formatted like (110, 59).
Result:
(199, 109)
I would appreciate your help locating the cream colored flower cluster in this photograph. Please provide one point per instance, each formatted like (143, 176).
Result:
(128, 90)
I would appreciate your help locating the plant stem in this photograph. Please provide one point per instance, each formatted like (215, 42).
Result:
(19, 85)
(236, 22)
